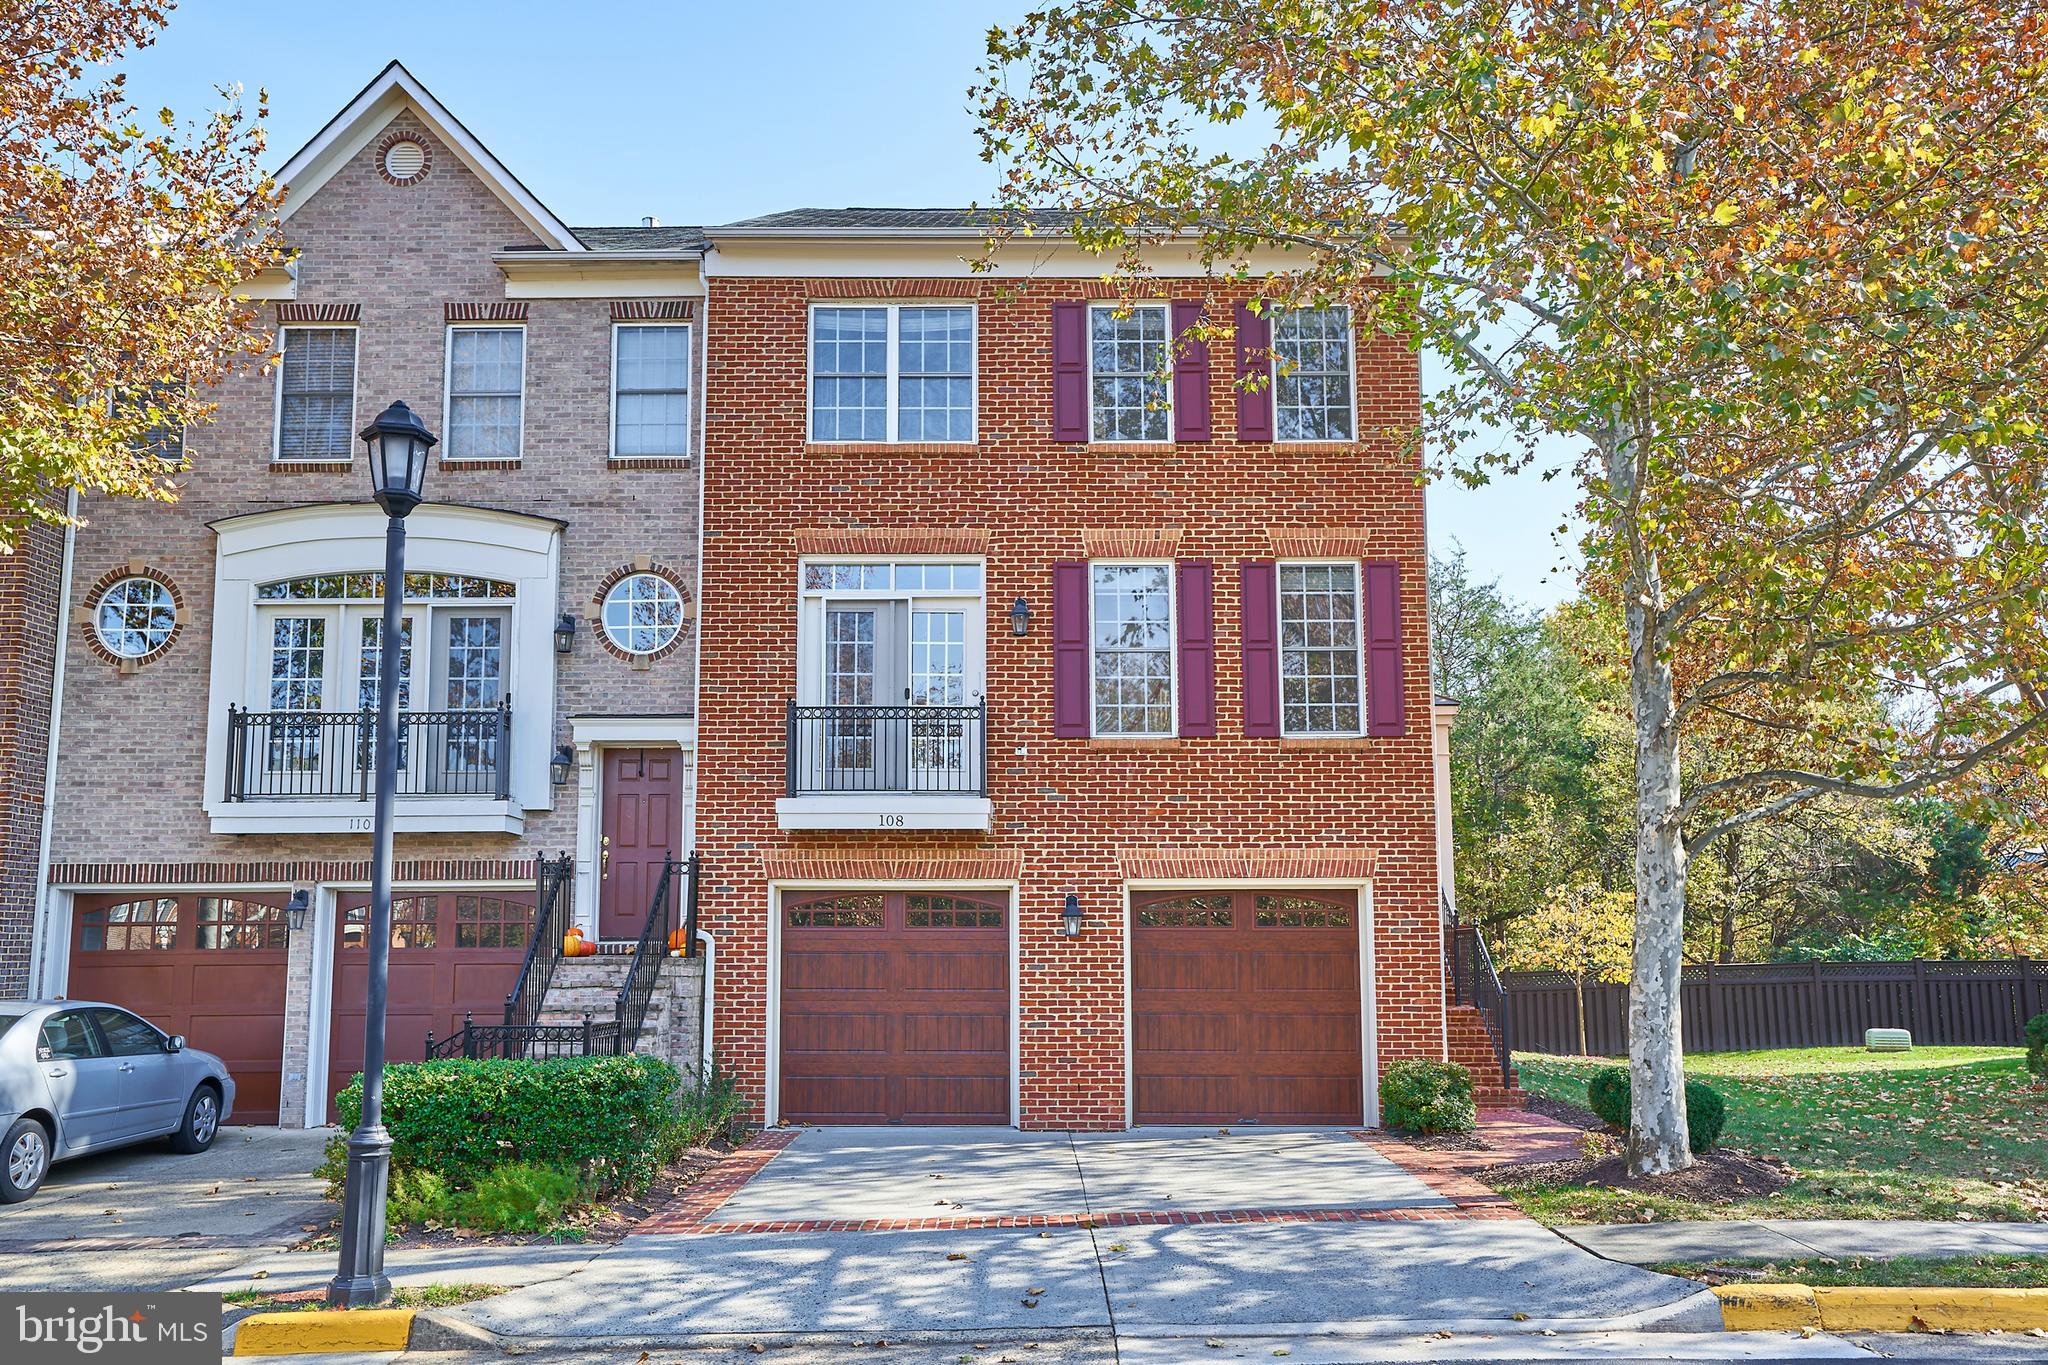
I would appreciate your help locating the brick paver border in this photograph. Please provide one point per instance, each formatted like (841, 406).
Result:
(721, 1182)
(1512, 1135)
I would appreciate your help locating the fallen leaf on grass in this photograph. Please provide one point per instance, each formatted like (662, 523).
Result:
(956, 1255)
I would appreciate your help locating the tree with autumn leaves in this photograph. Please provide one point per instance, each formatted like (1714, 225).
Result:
(1776, 269)
(123, 238)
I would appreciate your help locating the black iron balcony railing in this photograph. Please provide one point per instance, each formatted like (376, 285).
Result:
(835, 750)
(328, 755)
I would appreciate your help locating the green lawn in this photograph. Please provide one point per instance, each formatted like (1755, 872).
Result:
(1972, 1272)
(1939, 1132)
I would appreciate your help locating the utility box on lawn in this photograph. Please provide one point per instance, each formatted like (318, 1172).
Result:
(1887, 1040)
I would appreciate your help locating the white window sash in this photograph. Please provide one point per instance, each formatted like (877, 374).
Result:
(355, 356)
(1357, 642)
(1351, 374)
(1172, 730)
(689, 383)
(1165, 310)
(893, 367)
(448, 394)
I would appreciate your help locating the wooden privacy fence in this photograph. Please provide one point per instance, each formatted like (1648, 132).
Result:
(1739, 1006)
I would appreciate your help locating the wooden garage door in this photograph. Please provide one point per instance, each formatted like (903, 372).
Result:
(1244, 1007)
(452, 952)
(211, 967)
(895, 1007)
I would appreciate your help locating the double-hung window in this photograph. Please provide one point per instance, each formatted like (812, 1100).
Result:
(650, 391)
(1312, 375)
(1128, 352)
(316, 394)
(1321, 670)
(892, 372)
(1131, 649)
(486, 389)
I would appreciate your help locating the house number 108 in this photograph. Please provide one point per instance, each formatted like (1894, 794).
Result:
(889, 821)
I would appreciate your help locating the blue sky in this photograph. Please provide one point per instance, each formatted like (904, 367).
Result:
(702, 113)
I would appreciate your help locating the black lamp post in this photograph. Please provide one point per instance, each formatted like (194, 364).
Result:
(398, 442)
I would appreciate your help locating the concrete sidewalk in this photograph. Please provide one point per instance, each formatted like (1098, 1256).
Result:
(1777, 1239)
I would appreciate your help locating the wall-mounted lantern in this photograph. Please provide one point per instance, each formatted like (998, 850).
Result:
(1070, 918)
(1020, 617)
(295, 910)
(561, 765)
(565, 634)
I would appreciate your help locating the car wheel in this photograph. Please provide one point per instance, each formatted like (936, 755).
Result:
(24, 1160)
(202, 1122)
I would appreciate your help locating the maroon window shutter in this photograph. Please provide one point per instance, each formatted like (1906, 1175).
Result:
(1261, 617)
(1070, 650)
(1197, 621)
(1070, 372)
(1190, 375)
(1254, 408)
(1386, 709)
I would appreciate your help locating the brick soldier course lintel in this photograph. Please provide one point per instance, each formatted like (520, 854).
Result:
(1327, 542)
(284, 872)
(1244, 864)
(863, 864)
(1143, 542)
(891, 540)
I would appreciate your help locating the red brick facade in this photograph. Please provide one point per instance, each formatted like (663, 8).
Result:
(1070, 814)
(28, 644)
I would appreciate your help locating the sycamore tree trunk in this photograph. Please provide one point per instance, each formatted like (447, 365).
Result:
(1656, 1135)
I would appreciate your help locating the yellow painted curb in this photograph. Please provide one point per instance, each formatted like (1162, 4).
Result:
(1782, 1307)
(1767, 1307)
(1949, 1310)
(298, 1334)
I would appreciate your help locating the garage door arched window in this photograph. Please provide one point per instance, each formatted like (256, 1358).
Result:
(230, 923)
(135, 617)
(132, 926)
(643, 614)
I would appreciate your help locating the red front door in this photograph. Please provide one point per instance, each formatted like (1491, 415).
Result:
(642, 828)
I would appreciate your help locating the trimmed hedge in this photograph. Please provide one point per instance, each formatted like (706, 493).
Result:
(1420, 1096)
(462, 1118)
(2036, 1035)
(1705, 1112)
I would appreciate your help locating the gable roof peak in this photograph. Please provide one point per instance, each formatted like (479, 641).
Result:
(390, 91)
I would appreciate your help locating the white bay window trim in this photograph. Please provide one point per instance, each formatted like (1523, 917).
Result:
(892, 376)
(348, 538)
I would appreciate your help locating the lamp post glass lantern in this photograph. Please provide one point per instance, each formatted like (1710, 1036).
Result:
(398, 443)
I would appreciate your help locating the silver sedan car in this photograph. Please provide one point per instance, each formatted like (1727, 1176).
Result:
(77, 1076)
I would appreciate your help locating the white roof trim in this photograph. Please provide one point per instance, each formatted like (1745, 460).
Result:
(365, 116)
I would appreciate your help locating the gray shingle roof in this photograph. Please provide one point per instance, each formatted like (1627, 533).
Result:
(1045, 220)
(641, 238)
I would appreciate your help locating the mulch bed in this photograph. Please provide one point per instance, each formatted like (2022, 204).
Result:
(1716, 1177)
(601, 1226)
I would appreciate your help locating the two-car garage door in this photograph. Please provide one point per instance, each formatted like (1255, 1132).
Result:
(1244, 1007)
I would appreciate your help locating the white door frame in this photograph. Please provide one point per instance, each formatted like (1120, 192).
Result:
(590, 736)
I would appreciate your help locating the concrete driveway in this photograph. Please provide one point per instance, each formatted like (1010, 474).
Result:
(145, 1218)
(1151, 1235)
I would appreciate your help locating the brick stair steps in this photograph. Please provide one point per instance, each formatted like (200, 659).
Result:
(1471, 1046)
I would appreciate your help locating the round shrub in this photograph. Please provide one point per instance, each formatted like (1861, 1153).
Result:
(1706, 1113)
(1420, 1096)
(2036, 1035)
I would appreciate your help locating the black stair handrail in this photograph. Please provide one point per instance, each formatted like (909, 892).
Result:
(645, 969)
(552, 904)
(1474, 982)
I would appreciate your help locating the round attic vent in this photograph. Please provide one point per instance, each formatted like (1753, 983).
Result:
(405, 161)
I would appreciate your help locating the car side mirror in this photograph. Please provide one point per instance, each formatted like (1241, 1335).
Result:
(176, 1043)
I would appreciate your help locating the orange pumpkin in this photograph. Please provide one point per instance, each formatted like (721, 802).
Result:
(586, 948)
(677, 939)
(572, 941)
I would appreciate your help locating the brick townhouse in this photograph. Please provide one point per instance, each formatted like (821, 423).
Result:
(1064, 754)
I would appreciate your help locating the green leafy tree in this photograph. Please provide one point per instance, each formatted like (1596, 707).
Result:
(1776, 268)
(122, 241)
